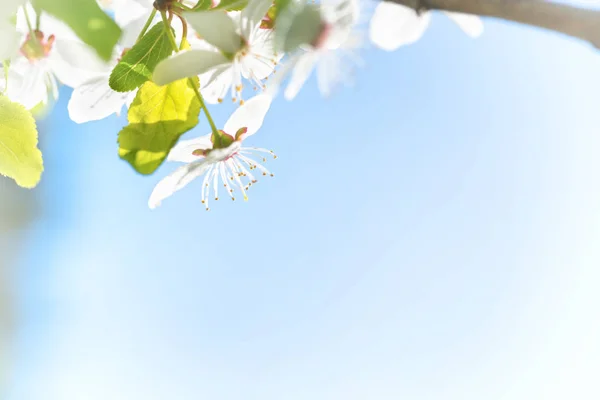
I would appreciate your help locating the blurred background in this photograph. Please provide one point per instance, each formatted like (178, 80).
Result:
(430, 233)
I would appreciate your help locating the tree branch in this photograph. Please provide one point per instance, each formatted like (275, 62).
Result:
(569, 20)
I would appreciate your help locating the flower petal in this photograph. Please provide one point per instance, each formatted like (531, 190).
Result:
(253, 14)
(74, 62)
(176, 181)
(28, 84)
(217, 28)
(95, 100)
(302, 70)
(184, 149)
(9, 42)
(131, 30)
(470, 24)
(394, 25)
(187, 64)
(251, 116)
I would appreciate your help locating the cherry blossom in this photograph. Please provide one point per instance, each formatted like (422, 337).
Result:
(222, 160)
(237, 48)
(9, 37)
(47, 56)
(333, 51)
(394, 25)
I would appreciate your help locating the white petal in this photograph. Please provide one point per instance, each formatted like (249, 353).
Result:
(48, 24)
(9, 7)
(394, 25)
(28, 83)
(187, 64)
(217, 28)
(251, 116)
(126, 11)
(95, 100)
(261, 59)
(184, 149)
(470, 24)
(217, 84)
(130, 99)
(9, 42)
(74, 63)
(329, 73)
(253, 14)
(301, 72)
(176, 181)
(131, 30)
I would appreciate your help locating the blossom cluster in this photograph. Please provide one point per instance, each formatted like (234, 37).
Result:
(225, 50)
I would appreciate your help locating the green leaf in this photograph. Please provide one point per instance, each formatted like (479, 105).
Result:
(203, 5)
(231, 5)
(20, 159)
(158, 116)
(87, 20)
(139, 62)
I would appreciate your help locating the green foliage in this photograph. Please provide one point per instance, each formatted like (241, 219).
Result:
(232, 5)
(157, 118)
(281, 5)
(20, 159)
(139, 62)
(203, 5)
(87, 20)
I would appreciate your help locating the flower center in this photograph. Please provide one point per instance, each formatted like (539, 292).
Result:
(37, 47)
(222, 141)
(323, 36)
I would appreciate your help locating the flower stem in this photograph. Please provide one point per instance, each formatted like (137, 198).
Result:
(145, 28)
(213, 127)
(184, 32)
(182, 7)
(38, 17)
(32, 32)
(168, 30)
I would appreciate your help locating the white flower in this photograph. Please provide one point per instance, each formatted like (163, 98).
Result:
(241, 49)
(221, 160)
(337, 40)
(52, 54)
(9, 37)
(394, 25)
(94, 99)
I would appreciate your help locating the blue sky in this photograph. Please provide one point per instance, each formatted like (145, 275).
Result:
(430, 233)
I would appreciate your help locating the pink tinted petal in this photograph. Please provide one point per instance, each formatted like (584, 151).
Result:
(250, 115)
(184, 149)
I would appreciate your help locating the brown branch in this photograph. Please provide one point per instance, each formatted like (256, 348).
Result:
(572, 21)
